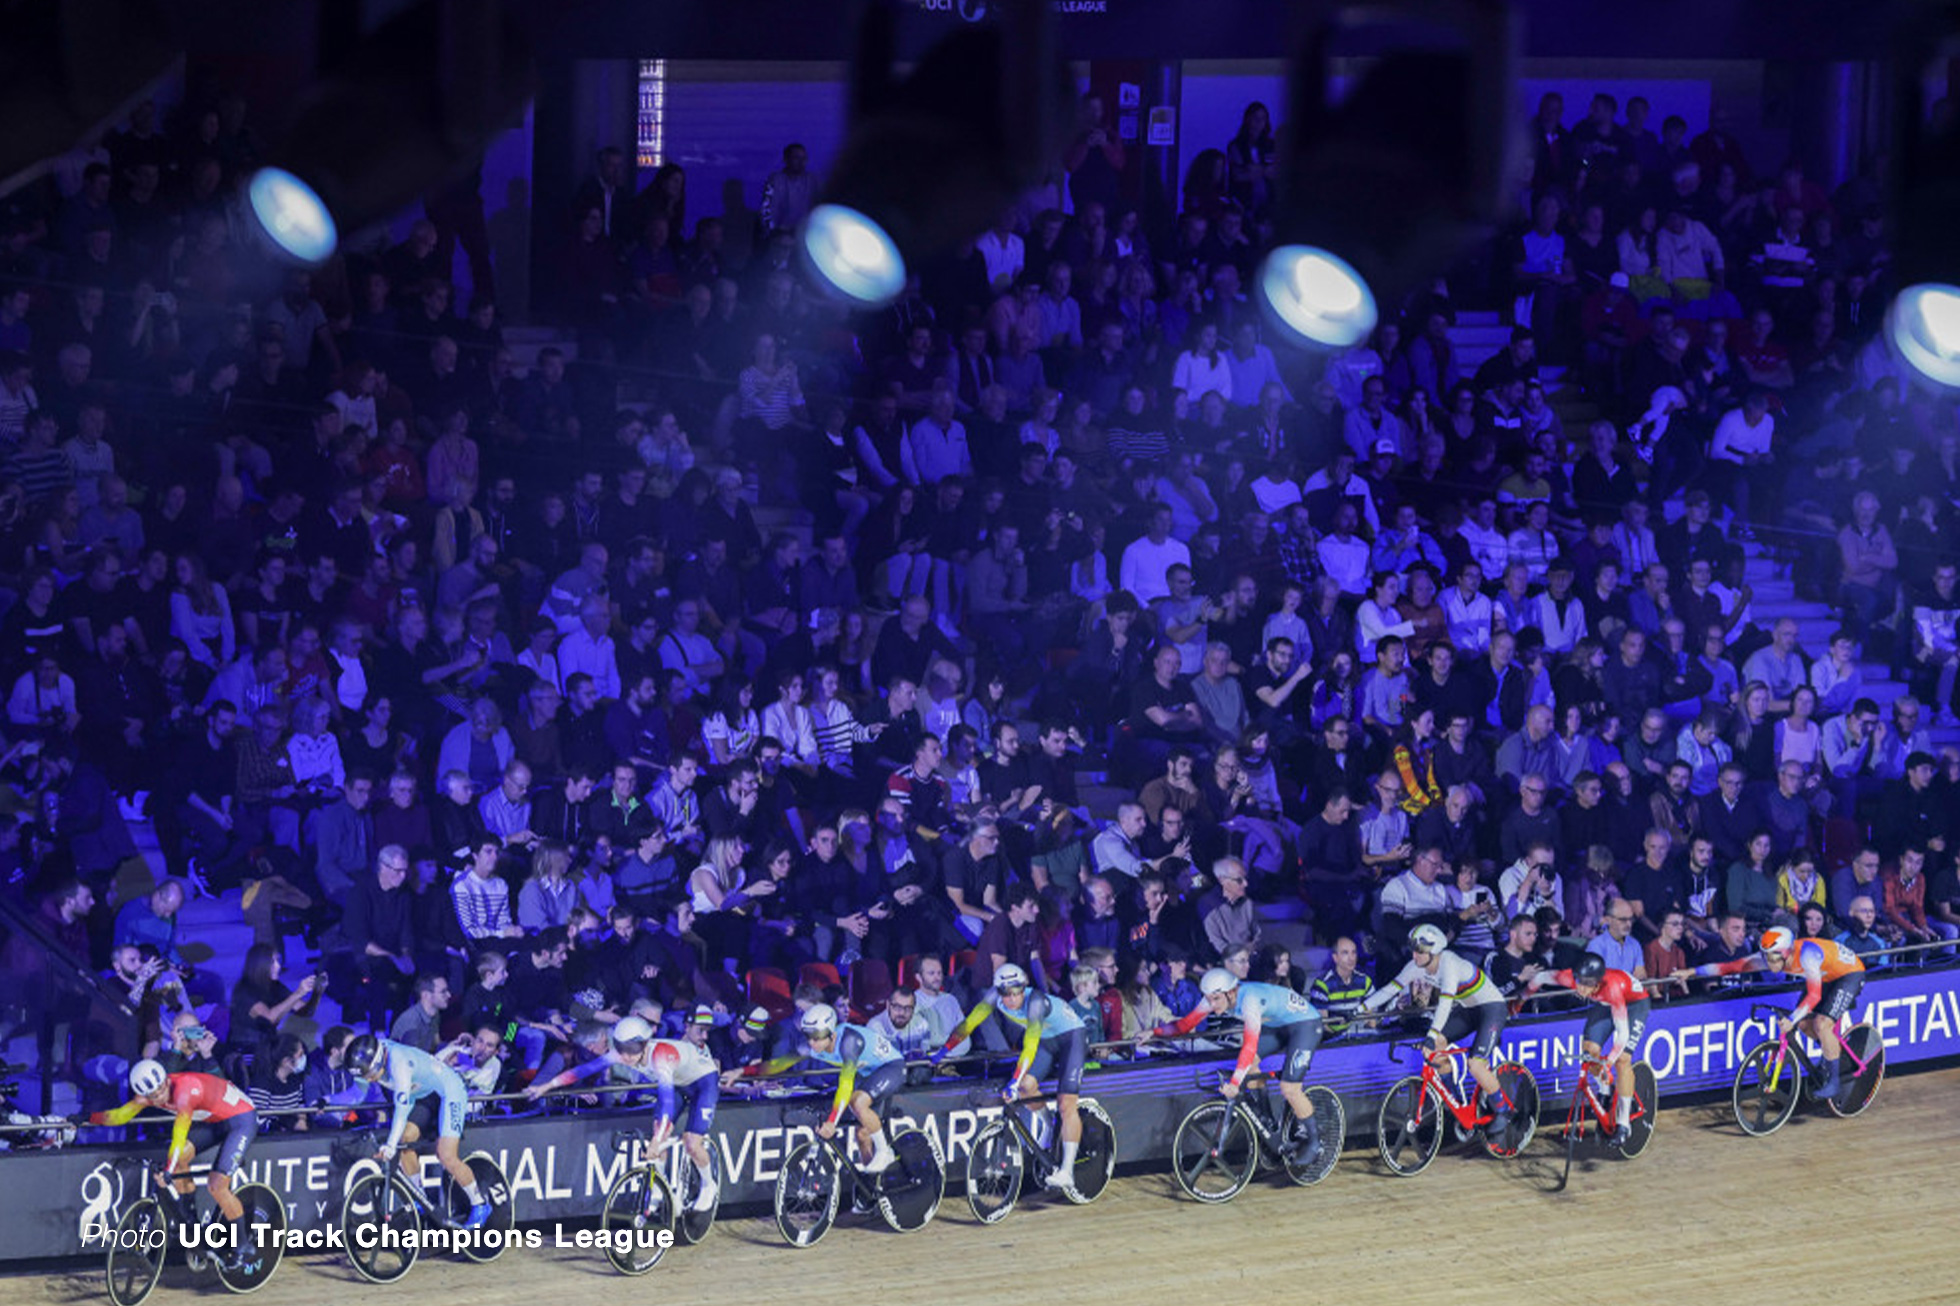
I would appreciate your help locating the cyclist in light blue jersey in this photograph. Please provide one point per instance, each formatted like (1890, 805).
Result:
(426, 1094)
(1276, 1020)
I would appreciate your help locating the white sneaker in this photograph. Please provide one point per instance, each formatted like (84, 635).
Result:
(706, 1197)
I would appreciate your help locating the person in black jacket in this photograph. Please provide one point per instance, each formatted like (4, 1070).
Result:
(1909, 814)
(378, 925)
(563, 814)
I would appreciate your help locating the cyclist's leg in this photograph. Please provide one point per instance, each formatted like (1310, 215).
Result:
(1637, 1014)
(1301, 1038)
(450, 1111)
(421, 1121)
(702, 1097)
(1488, 1020)
(1046, 1061)
(874, 1095)
(231, 1155)
(199, 1138)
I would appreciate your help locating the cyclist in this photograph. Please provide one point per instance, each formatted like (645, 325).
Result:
(1053, 1040)
(427, 1093)
(855, 1051)
(1620, 1007)
(1832, 976)
(677, 1069)
(201, 1103)
(1276, 1020)
(1466, 1002)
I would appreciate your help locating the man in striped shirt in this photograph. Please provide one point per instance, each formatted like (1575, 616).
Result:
(482, 898)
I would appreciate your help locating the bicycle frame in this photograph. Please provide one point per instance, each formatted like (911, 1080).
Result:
(1776, 1015)
(1467, 1112)
(1257, 1100)
(1586, 1094)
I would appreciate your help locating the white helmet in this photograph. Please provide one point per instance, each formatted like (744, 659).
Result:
(147, 1077)
(632, 1030)
(1777, 941)
(1217, 980)
(1427, 938)
(819, 1020)
(1010, 976)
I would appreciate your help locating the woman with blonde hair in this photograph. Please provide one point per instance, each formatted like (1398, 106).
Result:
(549, 895)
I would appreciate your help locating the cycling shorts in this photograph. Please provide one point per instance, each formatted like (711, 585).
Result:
(881, 1084)
(1297, 1041)
(1839, 995)
(1599, 1024)
(1488, 1023)
(232, 1138)
(702, 1097)
(1063, 1056)
(441, 1113)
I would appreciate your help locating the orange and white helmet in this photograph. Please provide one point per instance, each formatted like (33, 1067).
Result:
(1777, 941)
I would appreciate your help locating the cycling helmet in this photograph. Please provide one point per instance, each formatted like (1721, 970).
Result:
(364, 1056)
(147, 1077)
(1427, 938)
(1591, 969)
(1777, 941)
(1217, 980)
(819, 1020)
(632, 1030)
(1010, 976)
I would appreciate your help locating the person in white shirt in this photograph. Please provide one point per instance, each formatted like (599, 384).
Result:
(1742, 442)
(1561, 616)
(1002, 253)
(1343, 554)
(1490, 546)
(1375, 423)
(590, 648)
(1467, 610)
(1686, 250)
(1202, 368)
(1340, 472)
(935, 446)
(1150, 557)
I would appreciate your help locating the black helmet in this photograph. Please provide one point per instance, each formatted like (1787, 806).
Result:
(363, 1056)
(1591, 969)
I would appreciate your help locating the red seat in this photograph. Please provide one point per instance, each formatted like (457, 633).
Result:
(769, 988)
(908, 972)
(821, 973)
(962, 961)
(871, 988)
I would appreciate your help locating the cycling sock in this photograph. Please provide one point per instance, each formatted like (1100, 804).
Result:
(1070, 1146)
(475, 1193)
(1626, 1110)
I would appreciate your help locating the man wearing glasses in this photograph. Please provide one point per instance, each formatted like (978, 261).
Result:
(1616, 945)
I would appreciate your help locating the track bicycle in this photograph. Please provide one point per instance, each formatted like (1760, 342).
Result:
(1778, 1072)
(1221, 1145)
(1409, 1125)
(818, 1171)
(1007, 1156)
(143, 1233)
(1594, 1112)
(384, 1211)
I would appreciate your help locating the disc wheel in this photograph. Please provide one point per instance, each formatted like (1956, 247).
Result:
(1215, 1151)
(1644, 1111)
(995, 1168)
(639, 1207)
(695, 1225)
(136, 1255)
(1521, 1091)
(1409, 1126)
(262, 1207)
(493, 1236)
(1857, 1093)
(382, 1229)
(1330, 1117)
(1095, 1160)
(1766, 1090)
(807, 1192)
(909, 1192)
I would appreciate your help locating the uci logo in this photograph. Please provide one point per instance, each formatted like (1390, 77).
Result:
(101, 1197)
(971, 11)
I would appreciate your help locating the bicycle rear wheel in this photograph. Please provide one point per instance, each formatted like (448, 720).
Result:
(262, 1207)
(1409, 1126)
(639, 1207)
(994, 1169)
(1521, 1091)
(1214, 1152)
(1330, 1117)
(382, 1228)
(1766, 1090)
(694, 1225)
(909, 1193)
(493, 1236)
(1857, 1092)
(1643, 1112)
(807, 1192)
(141, 1239)
(1095, 1160)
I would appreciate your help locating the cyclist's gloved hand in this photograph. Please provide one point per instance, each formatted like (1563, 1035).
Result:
(386, 1152)
(935, 1057)
(1011, 1091)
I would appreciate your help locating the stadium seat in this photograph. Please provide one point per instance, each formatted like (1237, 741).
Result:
(871, 988)
(769, 988)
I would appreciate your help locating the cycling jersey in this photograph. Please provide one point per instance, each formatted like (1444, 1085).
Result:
(413, 1075)
(1626, 1008)
(1817, 962)
(1262, 1007)
(1458, 981)
(668, 1064)
(1040, 1017)
(195, 1099)
(855, 1050)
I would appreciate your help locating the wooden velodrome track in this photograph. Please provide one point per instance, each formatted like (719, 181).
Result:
(1848, 1212)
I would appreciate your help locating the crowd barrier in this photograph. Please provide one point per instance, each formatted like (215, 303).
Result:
(560, 1166)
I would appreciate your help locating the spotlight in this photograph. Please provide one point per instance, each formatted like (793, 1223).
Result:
(292, 216)
(1922, 324)
(1316, 297)
(1923, 329)
(1386, 187)
(932, 158)
(852, 256)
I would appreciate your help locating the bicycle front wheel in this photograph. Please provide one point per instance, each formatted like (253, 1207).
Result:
(382, 1227)
(639, 1208)
(1215, 1151)
(1767, 1086)
(1643, 1113)
(254, 1270)
(136, 1255)
(1859, 1090)
(807, 1191)
(1409, 1126)
(994, 1168)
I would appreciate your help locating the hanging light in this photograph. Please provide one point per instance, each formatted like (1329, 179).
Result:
(292, 216)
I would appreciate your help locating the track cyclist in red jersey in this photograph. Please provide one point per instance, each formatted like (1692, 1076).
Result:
(1620, 1010)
